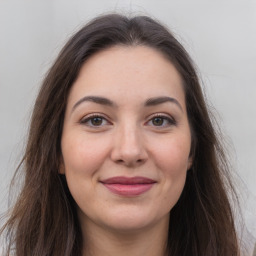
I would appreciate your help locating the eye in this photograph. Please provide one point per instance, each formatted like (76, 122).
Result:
(161, 121)
(94, 120)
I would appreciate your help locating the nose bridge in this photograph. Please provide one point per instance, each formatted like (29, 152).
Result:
(129, 146)
(129, 134)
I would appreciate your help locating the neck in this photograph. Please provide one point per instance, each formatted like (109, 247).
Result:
(150, 241)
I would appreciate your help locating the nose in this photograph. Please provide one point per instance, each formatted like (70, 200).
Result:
(129, 146)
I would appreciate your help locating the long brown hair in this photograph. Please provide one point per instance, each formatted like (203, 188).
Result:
(44, 221)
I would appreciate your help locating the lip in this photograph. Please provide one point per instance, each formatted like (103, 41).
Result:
(128, 186)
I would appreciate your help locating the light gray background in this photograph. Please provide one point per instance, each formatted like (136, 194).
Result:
(220, 35)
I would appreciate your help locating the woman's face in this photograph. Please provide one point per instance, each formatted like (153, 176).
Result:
(126, 139)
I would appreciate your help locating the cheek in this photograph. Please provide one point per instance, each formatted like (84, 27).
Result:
(173, 159)
(82, 156)
(173, 156)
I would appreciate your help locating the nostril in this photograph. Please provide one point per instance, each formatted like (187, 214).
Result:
(131, 162)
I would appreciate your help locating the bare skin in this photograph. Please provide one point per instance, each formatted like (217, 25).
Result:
(126, 117)
(137, 243)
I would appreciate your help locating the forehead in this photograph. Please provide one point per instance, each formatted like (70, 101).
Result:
(132, 72)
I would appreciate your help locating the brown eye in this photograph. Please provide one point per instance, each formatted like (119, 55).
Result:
(161, 121)
(96, 121)
(157, 121)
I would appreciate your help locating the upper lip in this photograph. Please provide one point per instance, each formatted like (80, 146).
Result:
(128, 180)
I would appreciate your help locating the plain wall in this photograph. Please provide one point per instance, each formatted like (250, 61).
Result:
(220, 36)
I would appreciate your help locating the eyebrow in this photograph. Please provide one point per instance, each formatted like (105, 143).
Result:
(160, 100)
(95, 99)
(107, 102)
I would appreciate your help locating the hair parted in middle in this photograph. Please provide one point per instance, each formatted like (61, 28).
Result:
(44, 220)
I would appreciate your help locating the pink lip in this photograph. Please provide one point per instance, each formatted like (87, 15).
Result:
(127, 186)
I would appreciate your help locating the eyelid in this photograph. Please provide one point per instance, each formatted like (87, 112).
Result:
(170, 119)
(165, 116)
(87, 117)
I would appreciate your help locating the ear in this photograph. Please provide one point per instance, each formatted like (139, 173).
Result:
(61, 167)
(190, 162)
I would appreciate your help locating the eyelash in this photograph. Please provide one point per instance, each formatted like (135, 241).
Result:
(170, 120)
(88, 119)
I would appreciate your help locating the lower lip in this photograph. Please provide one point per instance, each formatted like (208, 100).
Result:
(129, 189)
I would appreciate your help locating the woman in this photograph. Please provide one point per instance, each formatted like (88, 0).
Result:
(122, 157)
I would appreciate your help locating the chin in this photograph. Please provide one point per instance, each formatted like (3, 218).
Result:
(133, 221)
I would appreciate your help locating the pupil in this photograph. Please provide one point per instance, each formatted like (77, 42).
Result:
(97, 121)
(158, 121)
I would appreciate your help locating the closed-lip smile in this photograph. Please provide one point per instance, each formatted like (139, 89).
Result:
(128, 186)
